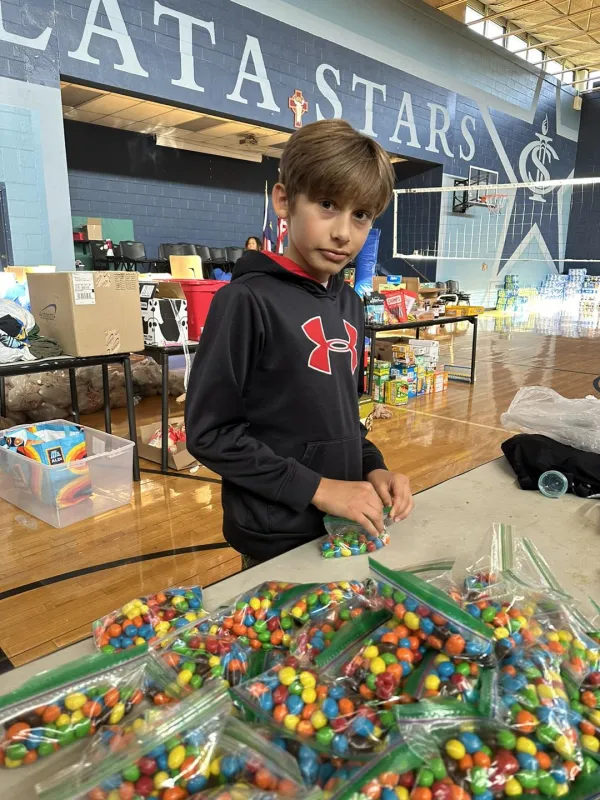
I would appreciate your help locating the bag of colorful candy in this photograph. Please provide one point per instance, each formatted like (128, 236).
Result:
(317, 769)
(390, 776)
(432, 617)
(372, 656)
(192, 657)
(309, 600)
(478, 758)
(59, 707)
(253, 618)
(166, 754)
(441, 677)
(348, 538)
(584, 711)
(147, 619)
(298, 700)
(316, 635)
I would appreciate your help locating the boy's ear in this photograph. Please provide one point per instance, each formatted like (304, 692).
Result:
(280, 201)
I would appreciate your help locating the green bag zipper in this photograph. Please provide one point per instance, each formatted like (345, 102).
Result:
(186, 715)
(543, 568)
(431, 596)
(429, 566)
(69, 675)
(353, 633)
(288, 597)
(398, 759)
(442, 711)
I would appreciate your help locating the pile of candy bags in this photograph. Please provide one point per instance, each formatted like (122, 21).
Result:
(468, 680)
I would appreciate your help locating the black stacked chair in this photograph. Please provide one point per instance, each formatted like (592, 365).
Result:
(218, 256)
(98, 255)
(166, 250)
(132, 251)
(188, 249)
(233, 253)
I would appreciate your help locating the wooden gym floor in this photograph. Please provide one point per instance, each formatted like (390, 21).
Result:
(54, 583)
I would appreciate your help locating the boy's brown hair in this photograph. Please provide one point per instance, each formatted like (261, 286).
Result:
(330, 160)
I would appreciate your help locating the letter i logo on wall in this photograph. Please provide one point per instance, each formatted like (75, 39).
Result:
(541, 153)
(319, 358)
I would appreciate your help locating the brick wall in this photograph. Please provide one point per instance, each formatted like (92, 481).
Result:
(171, 195)
(21, 172)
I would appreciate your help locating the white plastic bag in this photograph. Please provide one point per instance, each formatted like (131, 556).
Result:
(538, 409)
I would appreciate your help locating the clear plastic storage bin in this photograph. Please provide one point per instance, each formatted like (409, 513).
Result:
(38, 488)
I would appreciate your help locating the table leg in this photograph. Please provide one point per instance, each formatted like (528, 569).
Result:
(131, 416)
(164, 456)
(106, 392)
(371, 362)
(74, 397)
(2, 398)
(474, 349)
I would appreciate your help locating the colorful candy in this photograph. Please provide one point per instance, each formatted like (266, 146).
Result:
(348, 538)
(148, 619)
(316, 635)
(323, 713)
(319, 599)
(442, 676)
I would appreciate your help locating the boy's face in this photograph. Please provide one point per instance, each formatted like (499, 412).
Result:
(323, 237)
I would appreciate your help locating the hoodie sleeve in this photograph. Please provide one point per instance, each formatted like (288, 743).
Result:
(371, 455)
(215, 416)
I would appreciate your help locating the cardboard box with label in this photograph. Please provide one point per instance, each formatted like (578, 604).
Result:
(177, 460)
(89, 313)
(164, 313)
(93, 230)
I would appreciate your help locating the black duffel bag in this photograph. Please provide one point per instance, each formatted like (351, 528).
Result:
(530, 455)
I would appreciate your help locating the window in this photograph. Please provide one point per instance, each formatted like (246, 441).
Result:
(472, 16)
(534, 56)
(553, 67)
(514, 43)
(594, 80)
(493, 31)
(568, 77)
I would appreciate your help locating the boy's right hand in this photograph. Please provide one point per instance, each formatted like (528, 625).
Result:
(355, 500)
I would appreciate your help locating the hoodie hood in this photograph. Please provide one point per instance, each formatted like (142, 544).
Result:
(287, 270)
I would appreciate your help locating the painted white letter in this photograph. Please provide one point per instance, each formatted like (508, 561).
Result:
(406, 107)
(39, 43)
(468, 138)
(259, 76)
(369, 90)
(117, 31)
(327, 92)
(441, 132)
(186, 43)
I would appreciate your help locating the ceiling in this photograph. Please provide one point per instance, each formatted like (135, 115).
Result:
(173, 127)
(569, 28)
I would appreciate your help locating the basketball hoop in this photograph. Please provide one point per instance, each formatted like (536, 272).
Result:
(495, 203)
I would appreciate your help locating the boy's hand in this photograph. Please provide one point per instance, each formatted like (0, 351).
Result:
(394, 490)
(355, 500)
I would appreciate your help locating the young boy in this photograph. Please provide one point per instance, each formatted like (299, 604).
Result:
(272, 400)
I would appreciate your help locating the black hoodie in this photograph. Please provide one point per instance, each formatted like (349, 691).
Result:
(272, 401)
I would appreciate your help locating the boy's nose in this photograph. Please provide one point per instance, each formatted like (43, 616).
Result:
(341, 229)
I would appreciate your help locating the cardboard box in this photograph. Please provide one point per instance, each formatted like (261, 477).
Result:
(457, 373)
(440, 381)
(379, 382)
(396, 392)
(178, 460)
(21, 273)
(93, 230)
(382, 367)
(186, 267)
(384, 348)
(476, 310)
(164, 313)
(366, 408)
(89, 313)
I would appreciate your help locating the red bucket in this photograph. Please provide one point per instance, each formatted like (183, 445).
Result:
(198, 294)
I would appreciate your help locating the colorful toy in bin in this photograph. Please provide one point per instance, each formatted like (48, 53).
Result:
(348, 538)
(148, 619)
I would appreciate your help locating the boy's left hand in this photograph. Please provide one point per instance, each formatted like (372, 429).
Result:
(394, 490)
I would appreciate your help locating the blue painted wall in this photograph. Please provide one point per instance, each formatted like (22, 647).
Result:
(171, 195)
(21, 170)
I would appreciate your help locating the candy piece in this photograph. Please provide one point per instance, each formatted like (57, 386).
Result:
(348, 538)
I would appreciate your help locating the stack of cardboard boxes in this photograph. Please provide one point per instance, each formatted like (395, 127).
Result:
(412, 372)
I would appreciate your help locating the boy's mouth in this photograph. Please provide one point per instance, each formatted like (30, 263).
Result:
(335, 256)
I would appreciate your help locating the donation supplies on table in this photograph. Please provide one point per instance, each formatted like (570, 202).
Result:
(467, 680)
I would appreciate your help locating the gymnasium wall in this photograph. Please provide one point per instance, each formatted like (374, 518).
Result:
(420, 82)
(170, 195)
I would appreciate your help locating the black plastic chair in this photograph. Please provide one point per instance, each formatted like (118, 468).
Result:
(188, 249)
(98, 255)
(132, 251)
(218, 256)
(233, 253)
(166, 250)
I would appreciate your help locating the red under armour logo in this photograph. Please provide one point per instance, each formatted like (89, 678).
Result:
(319, 358)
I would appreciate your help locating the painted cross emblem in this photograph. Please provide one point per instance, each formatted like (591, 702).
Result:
(299, 107)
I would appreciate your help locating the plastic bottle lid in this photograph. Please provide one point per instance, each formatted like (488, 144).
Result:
(553, 484)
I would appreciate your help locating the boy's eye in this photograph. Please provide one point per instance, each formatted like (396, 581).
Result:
(362, 216)
(326, 204)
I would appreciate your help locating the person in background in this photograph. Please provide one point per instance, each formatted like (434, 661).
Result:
(272, 403)
(253, 243)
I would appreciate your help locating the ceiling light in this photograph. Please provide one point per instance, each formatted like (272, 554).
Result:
(178, 144)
